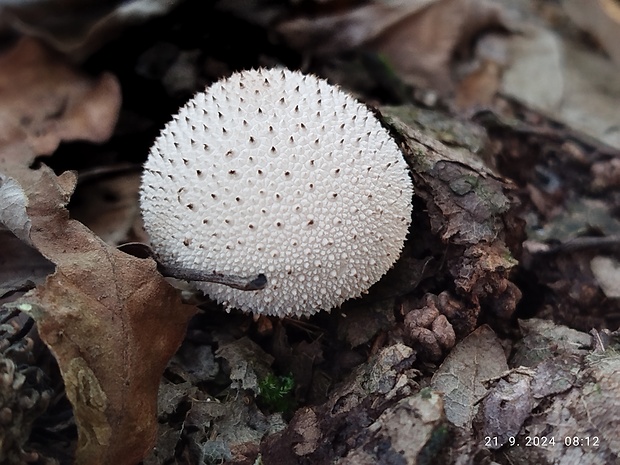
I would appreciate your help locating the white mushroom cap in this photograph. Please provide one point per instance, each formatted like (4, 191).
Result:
(280, 173)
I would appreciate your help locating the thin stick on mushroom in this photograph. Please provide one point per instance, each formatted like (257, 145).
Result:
(243, 283)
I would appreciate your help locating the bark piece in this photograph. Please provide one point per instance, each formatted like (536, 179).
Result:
(318, 434)
(413, 428)
(469, 209)
(578, 388)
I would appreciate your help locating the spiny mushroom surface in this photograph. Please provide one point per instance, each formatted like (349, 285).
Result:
(279, 173)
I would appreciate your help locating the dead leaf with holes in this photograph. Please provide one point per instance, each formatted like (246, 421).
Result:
(110, 319)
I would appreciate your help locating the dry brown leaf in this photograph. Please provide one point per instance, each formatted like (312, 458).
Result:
(572, 85)
(406, 428)
(479, 87)
(480, 77)
(605, 174)
(247, 362)
(574, 394)
(344, 30)
(422, 46)
(110, 319)
(47, 101)
(601, 18)
(536, 51)
(108, 203)
(506, 407)
(577, 217)
(418, 38)
(80, 27)
(220, 430)
(342, 422)
(460, 377)
(13, 213)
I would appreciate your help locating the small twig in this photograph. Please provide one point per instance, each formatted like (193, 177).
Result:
(23, 331)
(244, 283)
(583, 243)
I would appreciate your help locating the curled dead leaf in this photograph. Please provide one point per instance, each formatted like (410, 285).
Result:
(335, 32)
(601, 18)
(79, 28)
(46, 100)
(422, 46)
(13, 214)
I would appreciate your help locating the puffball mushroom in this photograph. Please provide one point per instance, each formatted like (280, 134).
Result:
(278, 173)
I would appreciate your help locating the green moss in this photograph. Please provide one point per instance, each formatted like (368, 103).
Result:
(434, 446)
(426, 393)
(276, 393)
